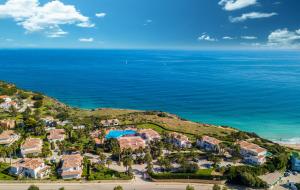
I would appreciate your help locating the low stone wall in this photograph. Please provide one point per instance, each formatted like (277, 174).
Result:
(219, 182)
(65, 181)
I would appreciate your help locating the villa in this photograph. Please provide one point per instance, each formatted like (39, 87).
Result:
(79, 127)
(110, 122)
(71, 166)
(8, 137)
(132, 142)
(56, 135)
(209, 143)
(179, 140)
(149, 135)
(50, 122)
(30, 167)
(31, 146)
(252, 153)
(7, 102)
(8, 124)
(95, 135)
(295, 159)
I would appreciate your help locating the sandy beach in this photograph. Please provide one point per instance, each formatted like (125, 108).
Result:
(294, 146)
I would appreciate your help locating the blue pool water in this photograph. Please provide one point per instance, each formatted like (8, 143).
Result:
(114, 134)
(257, 91)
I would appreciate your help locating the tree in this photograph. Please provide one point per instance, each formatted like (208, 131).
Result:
(148, 157)
(37, 97)
(13, 111)
(189, 188)
(216, 187)
(23, 95)
(38, 104)
(33, 187)
(118, 187)
(127, 162)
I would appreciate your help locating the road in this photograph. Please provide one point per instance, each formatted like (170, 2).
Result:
(105, 186)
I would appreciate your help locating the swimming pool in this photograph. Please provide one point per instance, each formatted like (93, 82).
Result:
(119, 133)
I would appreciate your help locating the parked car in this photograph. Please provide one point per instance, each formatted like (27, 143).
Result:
(286, 174)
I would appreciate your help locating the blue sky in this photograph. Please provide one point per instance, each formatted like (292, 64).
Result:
(158, 24)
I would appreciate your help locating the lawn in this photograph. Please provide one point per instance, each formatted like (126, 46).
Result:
(204, 172)
(98, 172)
(3, 170)
(151, 126)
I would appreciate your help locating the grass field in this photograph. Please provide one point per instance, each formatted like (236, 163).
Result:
(3, 168)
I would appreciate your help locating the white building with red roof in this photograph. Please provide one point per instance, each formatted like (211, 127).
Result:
(149, 135)
(209, 143)
(252, 153)
(30, 167)
(132, 143)
(110, 122)
(56, 135)
(179, 140)
(8, 137)
(32, 146)
(71, 166)
(8, 102)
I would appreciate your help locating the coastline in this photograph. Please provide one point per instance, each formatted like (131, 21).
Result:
(292, 146)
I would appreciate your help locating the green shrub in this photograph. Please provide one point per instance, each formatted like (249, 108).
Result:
(33, 187)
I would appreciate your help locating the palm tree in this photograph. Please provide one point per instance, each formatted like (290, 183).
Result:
(118, 187)
(127, 162)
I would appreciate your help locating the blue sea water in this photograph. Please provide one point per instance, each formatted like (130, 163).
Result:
(119, 133)
(257, 91)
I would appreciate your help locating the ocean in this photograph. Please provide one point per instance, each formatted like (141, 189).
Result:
(256, 91)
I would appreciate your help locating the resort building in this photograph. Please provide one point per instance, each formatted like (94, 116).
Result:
(179, 140)
(252, 153)
(8, 124)
(95, 135)
(31, 146)
(7, 102)
(56, 135)
(78, 127)
(132, 143)
(71, 166)
(110, 122)
(295, 159)
(5, 98)
(8, 137)
(149, 135)
(50, 122)
(209, 143)
(30, 167)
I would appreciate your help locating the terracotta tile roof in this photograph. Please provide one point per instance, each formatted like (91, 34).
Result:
(7, 134)
(131, 143)
(30, 163)
(150, 133)
(179, 136)
(4, 96)
(71, 161)
(251, 147)
(95, 134)
(32, 143)
(211, 140)
(56, 134)
(68, 173)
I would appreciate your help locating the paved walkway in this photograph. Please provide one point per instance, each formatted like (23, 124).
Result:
(106, 186)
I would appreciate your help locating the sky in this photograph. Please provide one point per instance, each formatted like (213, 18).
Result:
(153, 24)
